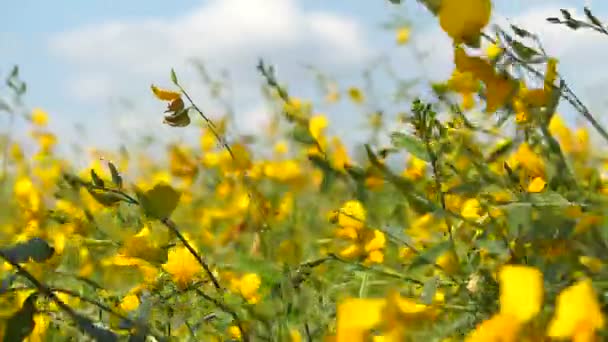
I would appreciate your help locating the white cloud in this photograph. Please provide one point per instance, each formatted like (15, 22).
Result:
(224, 33)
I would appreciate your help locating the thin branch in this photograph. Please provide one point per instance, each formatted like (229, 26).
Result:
(227, 310)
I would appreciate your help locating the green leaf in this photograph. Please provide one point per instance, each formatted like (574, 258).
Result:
(35, 249)
(301, 134)
(174, 77)
(549, 199)
(521, 32)
(160, 201)
(519, 218)
(592, 18)
(116, 178)
(104, 197)
(96, 180)
(429, 290)
(410, 144)
(20, 325)
(428, 256)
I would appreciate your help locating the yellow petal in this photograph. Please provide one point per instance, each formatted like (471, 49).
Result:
(521, 291)
(537, 185)
(165, 94)
(356, 316)
(577, 312)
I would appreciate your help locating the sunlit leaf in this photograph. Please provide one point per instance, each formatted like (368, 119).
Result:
(160, 201)
(411, 144)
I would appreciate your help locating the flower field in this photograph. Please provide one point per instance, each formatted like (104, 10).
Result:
(483, 217)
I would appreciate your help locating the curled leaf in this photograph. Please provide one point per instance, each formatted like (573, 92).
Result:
(178, 119)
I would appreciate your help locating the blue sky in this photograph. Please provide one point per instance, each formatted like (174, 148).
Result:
(80, 58)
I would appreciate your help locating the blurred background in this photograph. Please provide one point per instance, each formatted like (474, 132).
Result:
(89, 64)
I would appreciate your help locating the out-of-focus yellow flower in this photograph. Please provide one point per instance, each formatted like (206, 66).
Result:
(471, 209)
(356, 95)
(499, 328)
(448, 262)
(182, 266)
(595, 265)
(538, 184)
(129, 302)
(356, 316)
(521, 296)
(249, 284)
(352, 214)
(493, 51)
(415, 169)
(578, 314)
(41, 324)
(465, 84)
(463, 20)
(403, 35)
(521, 291)
(39, 117)
(499, 87)
(316, 126)
(235, 333)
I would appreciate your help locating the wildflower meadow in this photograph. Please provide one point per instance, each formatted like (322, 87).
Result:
(476, 213)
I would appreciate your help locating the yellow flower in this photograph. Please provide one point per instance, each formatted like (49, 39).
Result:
(235, 333)
(493, 51)
(471, 209)
(403, 35)
(182, 266)
(530, 161)
(317, 125)
(537, 185)
(356, 316)
(463, 20)
(521, 291)
(356, 95)
(595, 265)
(499, 328)
(499, 87)
(165, 94)
(578, 314)
(39, 117)
(448, 262)
(248, 287)
(352, 214)
(129, 303)
(416, 168)
(295, 336)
